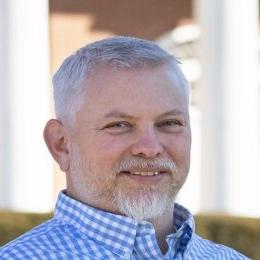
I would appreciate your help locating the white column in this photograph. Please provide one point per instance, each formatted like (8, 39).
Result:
(4, 107)
(26, 168)
(230, 106)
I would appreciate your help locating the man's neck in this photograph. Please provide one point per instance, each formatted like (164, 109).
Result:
(163, 226)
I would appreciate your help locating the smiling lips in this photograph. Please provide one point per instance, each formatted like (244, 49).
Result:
(145, 176)
(143, 173)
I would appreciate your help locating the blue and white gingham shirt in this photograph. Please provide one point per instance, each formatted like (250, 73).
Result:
(78, 231)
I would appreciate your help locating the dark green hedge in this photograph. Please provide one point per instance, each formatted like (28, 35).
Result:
(242, 234)
(14, 224)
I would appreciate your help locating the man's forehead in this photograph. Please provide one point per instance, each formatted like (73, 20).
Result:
(109, 89)
(103, 76)
(133, 95)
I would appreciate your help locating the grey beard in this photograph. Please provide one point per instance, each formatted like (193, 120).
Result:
(144, 206)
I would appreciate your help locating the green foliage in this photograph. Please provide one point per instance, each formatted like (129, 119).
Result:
(242, 234)
(14, 224)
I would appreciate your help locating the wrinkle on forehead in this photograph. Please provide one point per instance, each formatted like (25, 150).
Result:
(96, 76)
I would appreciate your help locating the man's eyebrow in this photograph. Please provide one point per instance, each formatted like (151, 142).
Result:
(173, 112)
(118, 114)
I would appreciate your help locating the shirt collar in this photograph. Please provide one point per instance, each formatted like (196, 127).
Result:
(116, 232)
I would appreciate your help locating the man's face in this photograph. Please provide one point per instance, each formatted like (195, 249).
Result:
(130, 145)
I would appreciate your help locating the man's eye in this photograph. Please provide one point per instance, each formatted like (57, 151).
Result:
(170, 123)
(118, 127)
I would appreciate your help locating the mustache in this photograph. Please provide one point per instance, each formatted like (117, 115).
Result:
(139, 164)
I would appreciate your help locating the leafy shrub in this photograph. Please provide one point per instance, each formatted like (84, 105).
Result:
(242, 234)
(14, 224)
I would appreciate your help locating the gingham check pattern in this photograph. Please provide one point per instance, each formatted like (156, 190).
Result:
(78, 231)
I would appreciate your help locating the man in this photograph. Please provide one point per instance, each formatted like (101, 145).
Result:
(122, 136)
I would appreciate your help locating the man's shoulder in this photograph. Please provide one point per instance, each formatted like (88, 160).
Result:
(35, 242)
(54, 239)
(207, 249)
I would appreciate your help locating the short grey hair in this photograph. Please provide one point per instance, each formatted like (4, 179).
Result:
(116, 52)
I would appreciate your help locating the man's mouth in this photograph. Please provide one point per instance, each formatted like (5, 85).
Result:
(143, 173)
(145, 176)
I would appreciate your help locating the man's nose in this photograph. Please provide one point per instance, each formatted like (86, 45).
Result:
(147, 145)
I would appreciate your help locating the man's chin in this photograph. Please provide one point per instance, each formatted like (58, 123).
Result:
(143, 205)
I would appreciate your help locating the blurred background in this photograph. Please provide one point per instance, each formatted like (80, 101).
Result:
(218, 44)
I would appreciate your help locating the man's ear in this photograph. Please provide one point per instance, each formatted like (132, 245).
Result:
(56, 140)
